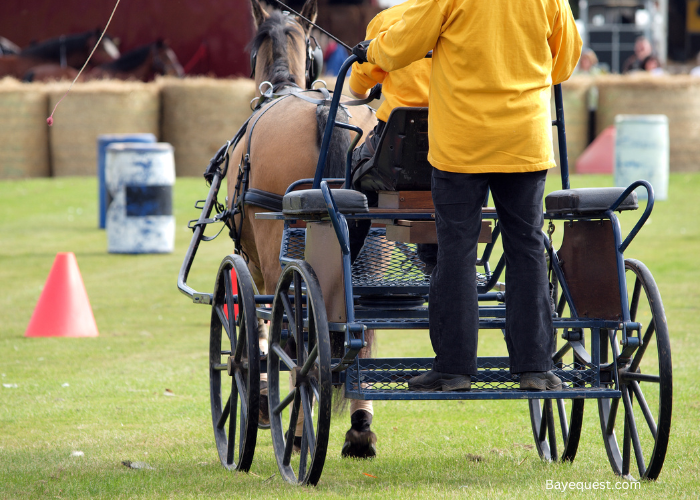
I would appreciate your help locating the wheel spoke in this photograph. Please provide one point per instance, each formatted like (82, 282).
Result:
(542, 435)
(240, 385)
(232, 426)
(298, 319)
(642, 349)
(285, 402)
(626, 450)
(288, 310)
(552, 430)
(303, 459)
(223, 319)
(634, 303)
(310, 361)
(308, 421)
(612, 416)
(231, 320)
(562, 421)
(289, 445)
(644, 407)
(283, 356)
(224, 415)
(638, 454)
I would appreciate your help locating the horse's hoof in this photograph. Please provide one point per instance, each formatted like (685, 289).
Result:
(359, 444)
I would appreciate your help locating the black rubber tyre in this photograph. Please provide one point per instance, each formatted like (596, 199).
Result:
(298, 310)
(643, 415)
(234, 365)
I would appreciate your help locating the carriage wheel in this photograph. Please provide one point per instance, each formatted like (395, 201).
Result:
(298, 310)
(643, 414)
(234, 366)
(556, 429)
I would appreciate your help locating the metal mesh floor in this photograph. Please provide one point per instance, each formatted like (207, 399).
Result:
(381, 263)
(392, 375)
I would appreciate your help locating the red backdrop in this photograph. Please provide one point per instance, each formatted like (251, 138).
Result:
(223, 26)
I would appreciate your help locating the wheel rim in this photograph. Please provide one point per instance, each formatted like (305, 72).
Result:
(312, 392)
(234, 366)
(642, 417)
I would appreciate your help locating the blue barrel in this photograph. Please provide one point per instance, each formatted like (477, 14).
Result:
(139, 179)
(102, 142)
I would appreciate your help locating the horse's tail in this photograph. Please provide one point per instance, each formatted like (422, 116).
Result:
(340, 141)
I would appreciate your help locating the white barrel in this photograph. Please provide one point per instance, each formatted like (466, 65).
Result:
(139, 178)
(642, 152)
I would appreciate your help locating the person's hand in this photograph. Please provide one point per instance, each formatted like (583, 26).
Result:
(360, 50)
(375, 92)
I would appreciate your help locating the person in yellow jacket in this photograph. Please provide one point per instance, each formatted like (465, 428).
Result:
(407, 86)
(489, 127)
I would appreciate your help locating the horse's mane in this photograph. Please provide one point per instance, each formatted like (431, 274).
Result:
(130, 60)
(51, 49)
(279, 30)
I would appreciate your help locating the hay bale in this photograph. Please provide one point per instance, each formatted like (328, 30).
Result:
(574, 93)
(24, 148)
(677, 97)
(200, 115)
(94, 108)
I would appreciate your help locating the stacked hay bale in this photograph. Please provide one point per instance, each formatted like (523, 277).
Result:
(200, 115)
(574, 93)
(92, 109)
(677, 97)
(23, 132)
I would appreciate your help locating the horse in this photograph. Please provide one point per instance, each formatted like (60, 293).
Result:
(284, 147)
(142, 63)
(68, 51)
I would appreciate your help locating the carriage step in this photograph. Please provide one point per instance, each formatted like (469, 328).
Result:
(387, 379)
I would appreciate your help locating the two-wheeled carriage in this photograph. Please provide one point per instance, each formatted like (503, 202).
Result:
(610, 326)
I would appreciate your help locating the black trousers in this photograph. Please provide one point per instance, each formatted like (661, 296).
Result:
(453, 306)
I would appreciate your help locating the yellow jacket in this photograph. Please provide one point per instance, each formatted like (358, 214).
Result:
(404, 87)
(494, 62)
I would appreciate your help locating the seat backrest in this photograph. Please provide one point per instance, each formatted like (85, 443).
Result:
(401, 158)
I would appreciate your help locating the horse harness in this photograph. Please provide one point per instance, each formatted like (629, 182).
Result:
(243, 194)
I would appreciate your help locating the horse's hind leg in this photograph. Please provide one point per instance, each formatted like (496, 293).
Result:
(360, 441)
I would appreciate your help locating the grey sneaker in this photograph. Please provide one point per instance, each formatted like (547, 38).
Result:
(540, 381)
(436, 381)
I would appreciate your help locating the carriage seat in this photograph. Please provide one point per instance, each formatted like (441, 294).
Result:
(311, 202)
(587, 201)
(400, 162)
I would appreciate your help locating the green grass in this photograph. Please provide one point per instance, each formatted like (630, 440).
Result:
(152, 338)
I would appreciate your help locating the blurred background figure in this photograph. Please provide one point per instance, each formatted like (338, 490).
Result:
(334, 54)
(696, 70)
(652, 66)
(642, 50)
(589, 65)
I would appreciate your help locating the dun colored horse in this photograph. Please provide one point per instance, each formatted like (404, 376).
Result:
(69, 51)
(142, 63)
(284, 147)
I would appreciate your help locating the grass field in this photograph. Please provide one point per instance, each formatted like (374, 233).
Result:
(106, 396)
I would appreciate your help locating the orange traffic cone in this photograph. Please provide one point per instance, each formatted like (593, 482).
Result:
(63, 309)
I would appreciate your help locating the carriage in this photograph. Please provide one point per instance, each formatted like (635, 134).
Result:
(610, 327)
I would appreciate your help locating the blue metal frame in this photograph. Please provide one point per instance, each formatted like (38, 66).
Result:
(492, 316)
